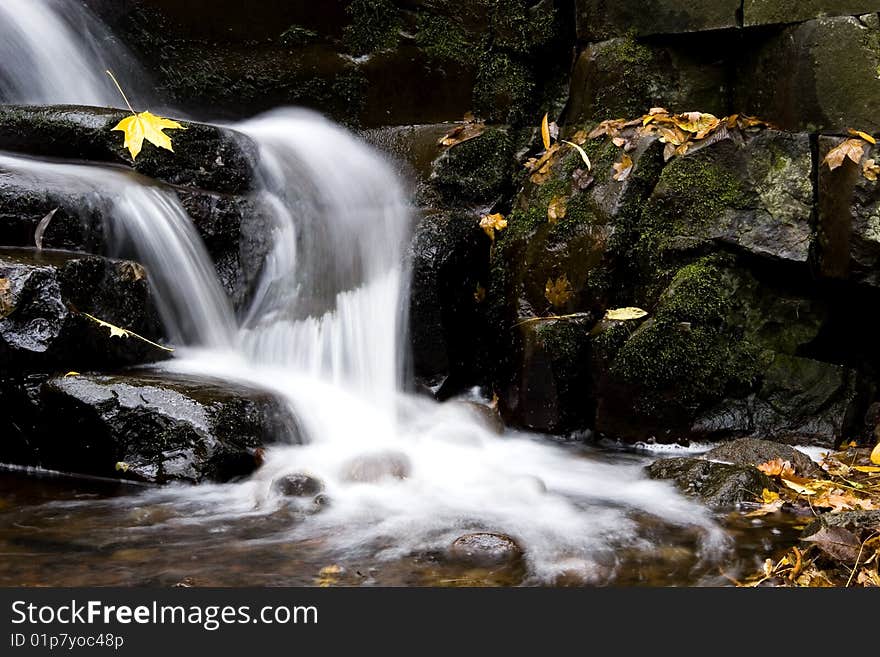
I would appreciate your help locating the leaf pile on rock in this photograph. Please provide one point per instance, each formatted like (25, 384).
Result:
(841, 547)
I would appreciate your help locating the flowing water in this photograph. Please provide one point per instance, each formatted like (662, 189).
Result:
(325, 331)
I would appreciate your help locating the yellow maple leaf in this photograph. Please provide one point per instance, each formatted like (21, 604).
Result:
(492, 222)
(558, 292)
(147, 126)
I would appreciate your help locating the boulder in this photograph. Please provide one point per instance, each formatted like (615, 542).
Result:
(848, 245)
(298, 485)
(720, 486)
(43, 296)
(625, 77)
(754, 452)
(767, 12)
(205, 156)
(486, 550)
(819, 75)
(599, 19)
(156, 428)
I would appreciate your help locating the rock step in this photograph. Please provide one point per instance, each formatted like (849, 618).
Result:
(147, 426)
(42, 296)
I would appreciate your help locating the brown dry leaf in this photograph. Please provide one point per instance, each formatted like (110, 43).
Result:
(863, 135)
(745, 122)
(623, 168)
(836, 501)
(558, 292)
(771, 503)
(545, 133)
(480, 294)
(697, 123)
(556, 209)
(582, 178)
(837, 542)
(540, 167)
(462, 133)
(868, 577)
(6, 303)
(610, 127)
(776, 467)
(798, 487)
(853, 149)
(870, 169)
(492, 222)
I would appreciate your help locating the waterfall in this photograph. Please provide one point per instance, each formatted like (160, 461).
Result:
(325, 331)
(56, 51)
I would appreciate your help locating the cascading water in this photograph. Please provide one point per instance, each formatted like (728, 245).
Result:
(325, 332)
(56, 51)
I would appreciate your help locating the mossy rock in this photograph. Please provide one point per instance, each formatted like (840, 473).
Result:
(770, 12)
(598, 19)
(476, 172)
(720, 486)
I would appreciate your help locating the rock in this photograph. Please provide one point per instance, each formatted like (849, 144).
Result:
(157, 428)
(720, 486)
(372, 468)
(298, 485)
(625, 77)
(598, 19)
(849, 219)
(766, 12)
(486, 550)
(206, 157)
(42, 296)
(755, 196)
(857, 521)
(754, 451)
(413, 147)
(449, 256)
(819, 75)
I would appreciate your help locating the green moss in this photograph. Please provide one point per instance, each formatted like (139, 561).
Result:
(296, 35)
(630, 76)
(695, 294)
(503, 88)
(519, 28)
(475, 171)
(608, 339)
(443, 39)
(375, 26)
(562, 340)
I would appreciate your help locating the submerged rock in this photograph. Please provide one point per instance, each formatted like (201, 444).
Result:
(298, 485)
(42, 298)
(720, 486)
(157, 428)
(483, 550)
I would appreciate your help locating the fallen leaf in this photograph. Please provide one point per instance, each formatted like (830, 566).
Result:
(6, 303)
(480, 294)
(698, 123)
(72, 374)
(623, 168)
(771, 502)
(870, 169)
(853, 149)
(41, 228)
(556, 210)
(147, 126)
(579, 137)
(462, 133)
(545, 133)
(116, 332)
(798, 488)
(558, 292)
(625, 314)
(582, 153)
(875, 455)
(492, 222)
(868, 577)
(864, 135)
(867, 468)
(776, 467)
(837, 542)
(122, 466)
(133, 271)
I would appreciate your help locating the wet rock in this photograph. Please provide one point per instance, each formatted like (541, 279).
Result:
(857, 521)
(819, 75)
(372, 468)
(485, 414)
(43, 296)
(754, 451)
(765, 12)
(298, 485)
(755, 196)
(449, 265)
(157, 428)
(849, 219)
(206, 157)
(486, 550)
(624, 77)
(414, 147)
(597, 19)
(720, 486)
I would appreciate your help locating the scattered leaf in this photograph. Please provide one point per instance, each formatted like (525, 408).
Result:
(41, 229)
(776, 468)
(122, 466)
(480, 294)
(871, 170)
(623, 168)
(462, 133)
(133, 271)
(72, 373)
(6, 303)
(798, 488)
(875, 455)
(837, 542)
(625, 314)
(147, 126)
(545, 133)
(492, 222)
(581, 152)
(867, 468)
(863, 135)
(853, 149)
(556, 210)
(116, 332)
(558, 292)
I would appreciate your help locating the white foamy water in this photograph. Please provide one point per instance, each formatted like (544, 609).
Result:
(326, 332)
(56, 52)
